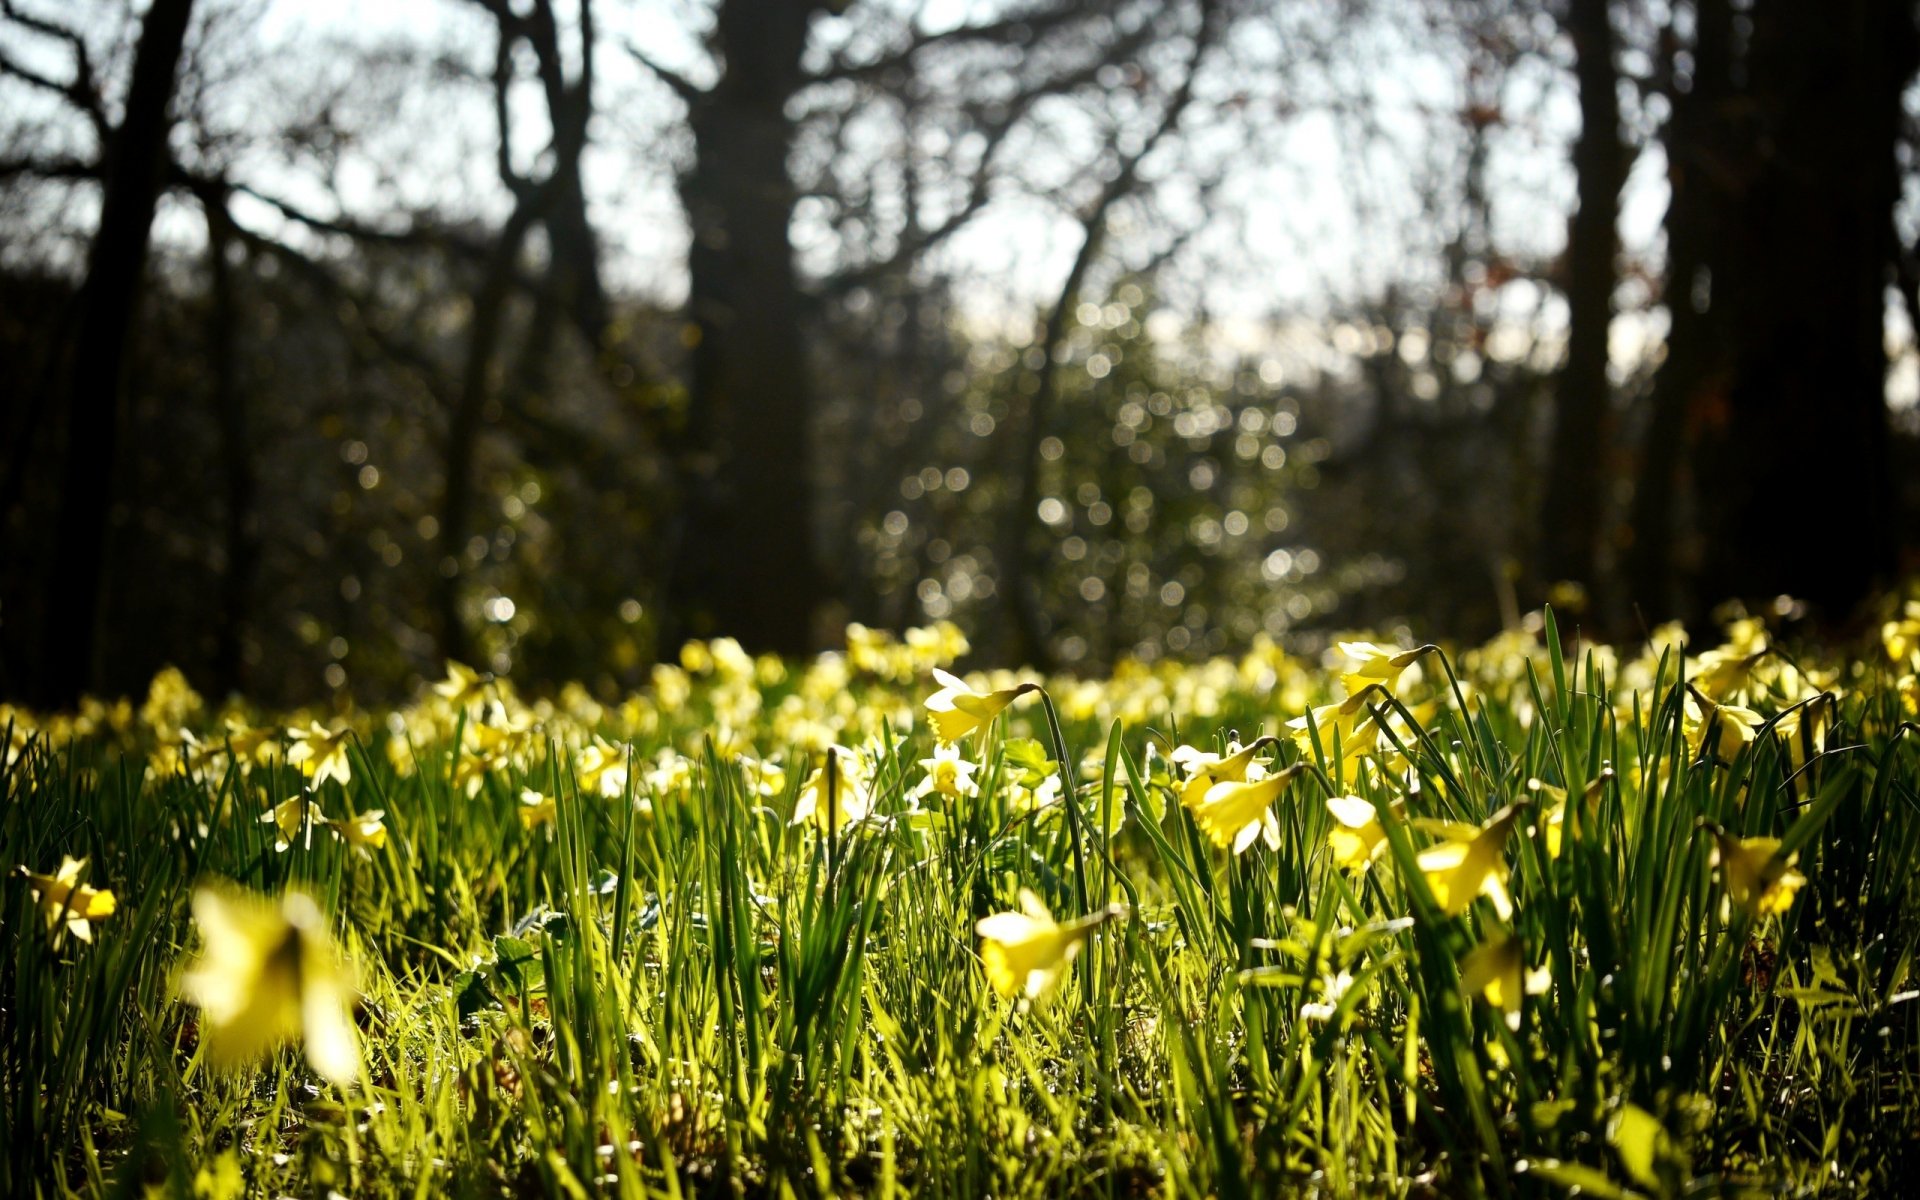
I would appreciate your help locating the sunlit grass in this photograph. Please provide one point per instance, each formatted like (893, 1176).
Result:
(1522, 918)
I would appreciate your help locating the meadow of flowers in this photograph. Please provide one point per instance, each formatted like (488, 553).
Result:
(1535, 917)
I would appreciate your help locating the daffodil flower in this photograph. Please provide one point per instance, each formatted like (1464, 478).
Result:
(365, 831)
(1356, 837)
(1027, 952)
(1235, 813)
(1730, 726)
(462, 686)
(1463, 867)
(536, 809)
(268, 974)
(956, 710)
(1497, 971)
(1555, 821)
(1378, 664)
(62, 897)
(1757, 876)
(1902, 637)
(293, 820)
(837, 794)
(1349, 722)
(320, 753)
(1204, 768)
(948, 774)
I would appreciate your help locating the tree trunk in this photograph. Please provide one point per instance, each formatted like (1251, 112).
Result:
(241, 532)
(1577, 477)
(1699, 172)
(1792, 471)
(745, 563)
(115, 264)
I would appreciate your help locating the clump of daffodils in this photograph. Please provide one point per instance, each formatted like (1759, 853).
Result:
(268, 974)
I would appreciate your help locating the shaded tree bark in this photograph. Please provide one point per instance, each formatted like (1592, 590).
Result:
(240, 530)
(1700, 170)
(1792, 471)
(137, 158)
(744, 563)
(1577, 480)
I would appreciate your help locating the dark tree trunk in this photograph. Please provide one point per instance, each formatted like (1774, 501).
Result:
(1792, 470)
(241, 532)
(115, 264)
(745, 563)
(1701, 165)
(1577, 478)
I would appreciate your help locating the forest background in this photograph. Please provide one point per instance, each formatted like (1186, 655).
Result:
(340, 340)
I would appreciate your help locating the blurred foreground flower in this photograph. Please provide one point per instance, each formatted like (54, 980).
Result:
(268, 973)
(1027, 952)
(62, 897)
(956, 710)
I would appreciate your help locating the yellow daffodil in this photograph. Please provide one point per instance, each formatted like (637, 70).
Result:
(463, 685)
(837, 794)
(1027, 952)
(1349, 723)
(1235, 813)
(365, 831)
(1757, 876)
(1205, 768)
(956, 710)
(1730, 726)
(293, 820)
(1463, 867)
(1902, 637)
(1555, 820)
(1497, 971)
(948, 774)
(62, 897)
(320, 753)
(765, 778)
(537, 809)
(1378, 664)
(268, 974)
(1356, 837)
(1805, 726)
